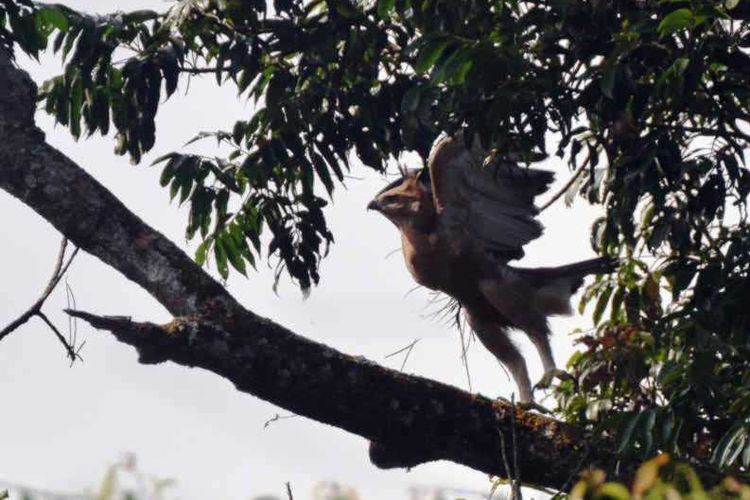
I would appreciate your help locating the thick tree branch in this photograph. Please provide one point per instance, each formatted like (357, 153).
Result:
(410, 420)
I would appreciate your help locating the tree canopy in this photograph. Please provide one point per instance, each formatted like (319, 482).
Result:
(646, 101)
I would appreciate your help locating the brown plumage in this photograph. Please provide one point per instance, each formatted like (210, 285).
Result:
(461, 221)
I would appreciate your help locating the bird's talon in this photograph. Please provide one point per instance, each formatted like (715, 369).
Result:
(531, 405)
(546, 381)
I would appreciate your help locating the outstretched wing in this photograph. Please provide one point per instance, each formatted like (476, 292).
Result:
(493, 204)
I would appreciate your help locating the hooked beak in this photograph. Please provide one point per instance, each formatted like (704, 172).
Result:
(374, 205)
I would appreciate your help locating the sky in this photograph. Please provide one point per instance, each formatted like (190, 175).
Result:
(63, 425)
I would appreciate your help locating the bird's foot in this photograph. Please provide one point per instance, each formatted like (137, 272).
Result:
(530, 405)
(549, 376)
(533, 405)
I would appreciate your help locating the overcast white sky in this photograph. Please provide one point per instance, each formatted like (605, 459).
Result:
(61, 426)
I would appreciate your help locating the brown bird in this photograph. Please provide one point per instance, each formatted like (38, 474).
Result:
(461, 220)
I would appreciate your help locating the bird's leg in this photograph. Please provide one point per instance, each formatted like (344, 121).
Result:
(540, 338)
(533, 405)
(495, 338)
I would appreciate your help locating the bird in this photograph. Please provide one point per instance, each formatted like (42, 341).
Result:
(462, 219)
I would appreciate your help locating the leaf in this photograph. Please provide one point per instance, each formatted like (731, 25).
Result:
(675, 21)
(233, 253)
(601, 304)
(429, 54)
(221, 259)
(607, 82)
(385, 7)
(646, 431)
(626, 436)
(730, 446)
(323, 173)
(76, 101)
(53, 17)
(202, 251)
(647, 474)
(613, 491)
(108, 486)
(731, 4)
(746, 454)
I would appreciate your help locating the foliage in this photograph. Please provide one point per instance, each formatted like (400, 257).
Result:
(646, 100)
(656, 478)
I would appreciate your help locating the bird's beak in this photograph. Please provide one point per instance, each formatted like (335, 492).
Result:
(374, 205)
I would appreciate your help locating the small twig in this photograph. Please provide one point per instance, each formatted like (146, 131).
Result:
(568, 481)
(278, 417)
(200, 70)
(61, 266)
(289, 491)
(516, 482)
(506, 464)
(408, 350)
(565, 188)
(72, 352)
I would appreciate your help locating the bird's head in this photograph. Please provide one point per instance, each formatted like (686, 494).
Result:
(407, 201)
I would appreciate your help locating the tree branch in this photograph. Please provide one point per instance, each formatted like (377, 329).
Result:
(409, 420)
(412, 420)
(61, 267)
(565, 188)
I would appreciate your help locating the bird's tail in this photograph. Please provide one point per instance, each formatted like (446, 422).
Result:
(555, 285)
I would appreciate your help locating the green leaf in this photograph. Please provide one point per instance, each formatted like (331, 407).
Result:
(731, 4)
(385, 7)
(625, 440)
(76, 101)
(202, 251)
(676, 20)
(221, 259)
(233, 253)
(646, 431)
(53, 17)
(601, 304)
(613, 491)
(429, 54)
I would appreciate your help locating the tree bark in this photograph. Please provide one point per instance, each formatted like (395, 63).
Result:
(409, 420)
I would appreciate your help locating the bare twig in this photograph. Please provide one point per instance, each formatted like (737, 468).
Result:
(563, 489)
(564, 189)
(289, 491)
(515, 484)
(61, 266)
(506, 464)
(278, 417)
(72, 353)
(200, 70)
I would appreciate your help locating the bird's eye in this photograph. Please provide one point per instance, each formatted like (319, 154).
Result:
(390, 200)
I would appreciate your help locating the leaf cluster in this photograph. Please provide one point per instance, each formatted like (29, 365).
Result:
(656, 478)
